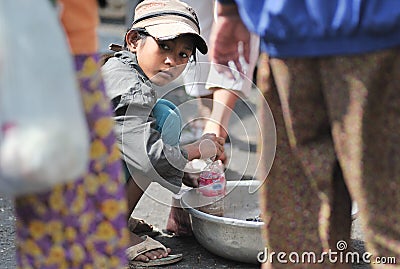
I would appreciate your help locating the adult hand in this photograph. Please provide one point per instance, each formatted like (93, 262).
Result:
(226, 35)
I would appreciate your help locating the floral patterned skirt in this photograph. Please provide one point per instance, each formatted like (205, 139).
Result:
(81, 224)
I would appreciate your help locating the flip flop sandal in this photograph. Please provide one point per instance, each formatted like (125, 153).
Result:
(140, 227)
(147, 245)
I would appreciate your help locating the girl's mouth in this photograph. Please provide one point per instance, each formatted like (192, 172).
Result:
(166, 74)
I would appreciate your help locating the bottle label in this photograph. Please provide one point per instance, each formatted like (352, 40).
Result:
(212, 184)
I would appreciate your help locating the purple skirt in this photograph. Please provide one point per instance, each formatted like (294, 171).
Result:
(82, 224)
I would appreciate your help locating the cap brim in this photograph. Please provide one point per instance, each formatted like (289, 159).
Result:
(167, 31)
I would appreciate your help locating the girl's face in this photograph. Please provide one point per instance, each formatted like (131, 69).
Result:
(162, 61)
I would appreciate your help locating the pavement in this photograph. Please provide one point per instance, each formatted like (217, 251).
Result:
(154, 206)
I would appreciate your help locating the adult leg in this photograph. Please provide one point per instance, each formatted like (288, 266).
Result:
(364, 103)
(311, 148)
(290, 205)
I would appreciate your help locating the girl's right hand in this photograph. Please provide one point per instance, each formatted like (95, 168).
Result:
(208, 146)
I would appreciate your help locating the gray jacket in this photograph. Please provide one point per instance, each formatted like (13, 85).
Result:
(133, 98)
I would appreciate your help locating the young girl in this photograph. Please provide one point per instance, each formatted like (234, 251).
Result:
(163, 38)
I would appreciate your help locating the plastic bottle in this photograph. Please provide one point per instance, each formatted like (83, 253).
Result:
(212, 186)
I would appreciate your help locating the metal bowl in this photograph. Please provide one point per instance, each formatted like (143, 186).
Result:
(230, 236)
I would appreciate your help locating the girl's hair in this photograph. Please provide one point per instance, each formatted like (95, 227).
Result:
(193, 56)
(142, 35)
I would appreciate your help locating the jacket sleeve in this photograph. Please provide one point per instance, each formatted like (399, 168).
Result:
(226, 2)
(141, 145)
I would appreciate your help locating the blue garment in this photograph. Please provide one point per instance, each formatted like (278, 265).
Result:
(299, 28)
(168, 121)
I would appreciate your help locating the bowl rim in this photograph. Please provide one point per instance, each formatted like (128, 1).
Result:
(224, 220)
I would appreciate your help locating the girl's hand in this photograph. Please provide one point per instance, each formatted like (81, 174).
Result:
(208, 146)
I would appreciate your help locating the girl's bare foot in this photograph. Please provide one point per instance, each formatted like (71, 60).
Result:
(150, 255)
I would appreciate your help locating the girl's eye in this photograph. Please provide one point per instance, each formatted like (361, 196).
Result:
(164, 46)
(184, 55)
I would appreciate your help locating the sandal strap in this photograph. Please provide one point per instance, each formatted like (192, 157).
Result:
(143, 247)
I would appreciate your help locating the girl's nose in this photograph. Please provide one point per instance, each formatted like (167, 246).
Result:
(170, 60)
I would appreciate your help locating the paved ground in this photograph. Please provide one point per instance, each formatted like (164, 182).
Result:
(7, 233)
(195, 256)
(154, 211)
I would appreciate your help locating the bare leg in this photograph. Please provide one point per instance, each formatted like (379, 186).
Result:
(134, 192)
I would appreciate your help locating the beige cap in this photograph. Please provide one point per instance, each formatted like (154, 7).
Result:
(167, 19)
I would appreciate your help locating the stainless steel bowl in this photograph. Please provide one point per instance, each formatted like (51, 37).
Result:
(230, 236)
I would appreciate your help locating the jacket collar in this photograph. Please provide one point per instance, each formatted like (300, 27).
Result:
(130, 59)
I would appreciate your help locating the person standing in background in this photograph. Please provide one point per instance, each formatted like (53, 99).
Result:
(215, 92)
(334, 94)
(81, 224)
